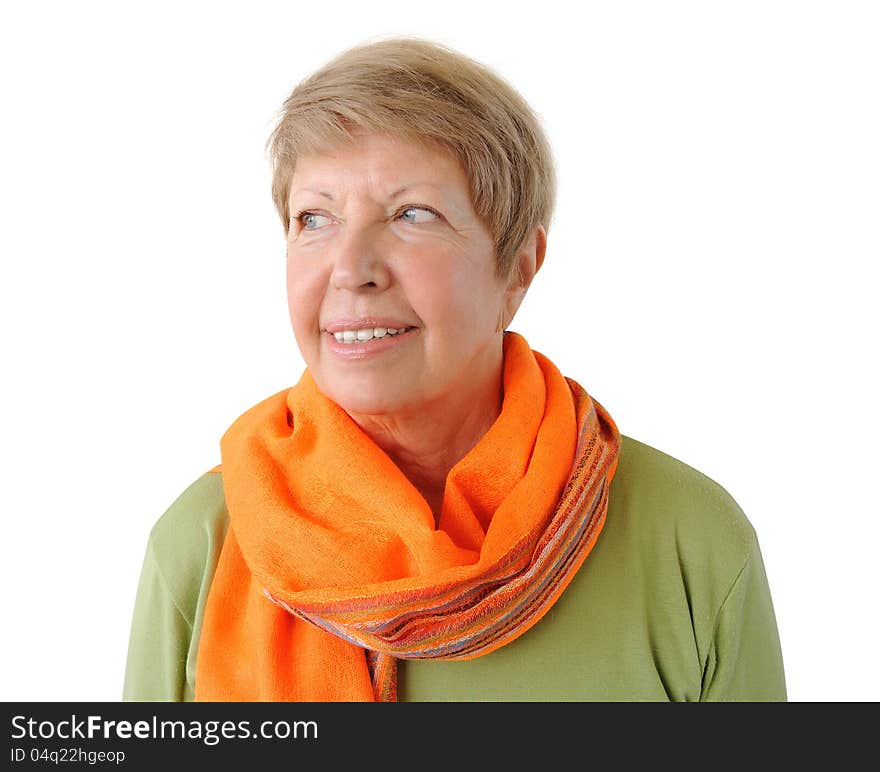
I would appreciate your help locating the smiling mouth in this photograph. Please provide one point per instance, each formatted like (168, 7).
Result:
(365, 335)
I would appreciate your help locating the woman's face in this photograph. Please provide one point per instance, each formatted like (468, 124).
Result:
(384, 236)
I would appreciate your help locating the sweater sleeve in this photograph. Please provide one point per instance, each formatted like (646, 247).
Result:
(182, 553)
(744, 662)
(159, 641)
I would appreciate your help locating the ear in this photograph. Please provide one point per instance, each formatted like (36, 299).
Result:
(529, 260)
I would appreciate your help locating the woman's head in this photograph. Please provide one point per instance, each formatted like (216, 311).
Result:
(422, 91)
(415, 187)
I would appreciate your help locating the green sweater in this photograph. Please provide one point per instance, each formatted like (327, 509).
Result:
(671, 604)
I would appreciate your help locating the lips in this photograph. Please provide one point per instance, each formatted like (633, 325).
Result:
(365, 322)
(353, 350)
(367, 333)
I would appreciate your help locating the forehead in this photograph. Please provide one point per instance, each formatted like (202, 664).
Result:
(379, 162)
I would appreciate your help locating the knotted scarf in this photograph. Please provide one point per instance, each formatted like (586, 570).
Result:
(333, 567)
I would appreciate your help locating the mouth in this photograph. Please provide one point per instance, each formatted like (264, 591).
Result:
(365, 334)
(367, 342)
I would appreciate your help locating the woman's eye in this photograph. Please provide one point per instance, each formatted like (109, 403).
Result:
(413, 210)
(309, 219)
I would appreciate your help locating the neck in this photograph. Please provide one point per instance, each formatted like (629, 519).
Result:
(429, 440)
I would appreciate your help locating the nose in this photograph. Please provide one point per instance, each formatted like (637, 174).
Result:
(358, 262)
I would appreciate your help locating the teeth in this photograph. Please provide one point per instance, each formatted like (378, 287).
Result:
(368, 333)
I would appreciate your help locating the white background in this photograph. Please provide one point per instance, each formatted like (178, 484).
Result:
(710, 278)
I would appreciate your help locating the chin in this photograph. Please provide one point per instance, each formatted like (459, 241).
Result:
(366, 399)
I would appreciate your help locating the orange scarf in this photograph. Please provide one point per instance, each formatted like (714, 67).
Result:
(332, 568)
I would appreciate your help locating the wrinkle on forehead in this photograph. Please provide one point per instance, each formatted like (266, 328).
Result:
(424, 165)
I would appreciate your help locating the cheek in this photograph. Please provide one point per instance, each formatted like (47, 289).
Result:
(303, 296)
(455, 303)
(473, 296)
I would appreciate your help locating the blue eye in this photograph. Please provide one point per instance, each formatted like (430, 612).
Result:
(309, 220)
(303, 217)
(433, 214)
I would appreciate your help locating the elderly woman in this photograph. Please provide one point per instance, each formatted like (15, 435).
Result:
(433, 511)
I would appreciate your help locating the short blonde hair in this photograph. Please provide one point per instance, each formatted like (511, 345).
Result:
(420, 90)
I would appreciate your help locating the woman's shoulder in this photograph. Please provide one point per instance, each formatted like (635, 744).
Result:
(667, 499)
(678, 573)
(200, 508)
(185, 541)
